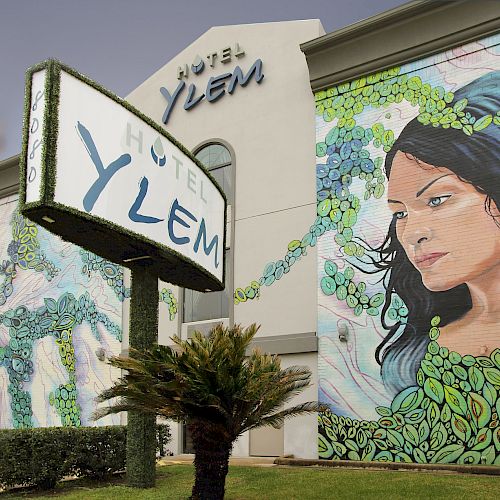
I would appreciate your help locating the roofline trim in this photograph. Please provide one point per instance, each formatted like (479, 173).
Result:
(413, 8)
(336, 58)
(9, 162)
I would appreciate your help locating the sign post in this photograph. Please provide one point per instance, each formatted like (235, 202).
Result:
(141, 431)
(98, 173)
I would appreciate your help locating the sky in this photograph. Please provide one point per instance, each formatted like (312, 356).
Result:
(120, 43)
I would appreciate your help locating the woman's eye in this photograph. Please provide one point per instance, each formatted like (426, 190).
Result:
(401, 215)
(435, 201)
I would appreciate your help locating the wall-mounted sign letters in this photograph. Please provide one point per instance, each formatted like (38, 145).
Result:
(216, 86)
(223, 55)
(100, 174)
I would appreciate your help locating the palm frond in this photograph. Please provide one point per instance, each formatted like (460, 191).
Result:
(277, 419)
(209, 379)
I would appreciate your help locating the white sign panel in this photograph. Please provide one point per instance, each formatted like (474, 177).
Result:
(36, 126)
(110, 165)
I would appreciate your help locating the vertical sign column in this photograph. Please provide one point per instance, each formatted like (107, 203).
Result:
(36, 126)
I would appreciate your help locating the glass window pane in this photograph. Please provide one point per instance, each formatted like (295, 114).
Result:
(200, 306)
(205, 306)
(214, 155)
(223, 177)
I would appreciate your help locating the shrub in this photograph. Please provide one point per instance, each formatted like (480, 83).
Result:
(41, 457)
(51, 449)
(99, 451)
(15, 457)
(163, 437)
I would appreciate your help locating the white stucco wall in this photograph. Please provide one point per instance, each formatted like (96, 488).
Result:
(270, 128)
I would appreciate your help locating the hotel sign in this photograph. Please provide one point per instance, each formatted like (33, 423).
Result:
(100, 174)
(215, 87)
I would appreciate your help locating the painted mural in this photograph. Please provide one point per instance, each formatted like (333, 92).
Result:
(408, 237)
(408, 194)
(60, 316)
(56, 316)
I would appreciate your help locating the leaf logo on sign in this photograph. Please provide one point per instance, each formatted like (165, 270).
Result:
(158, 153)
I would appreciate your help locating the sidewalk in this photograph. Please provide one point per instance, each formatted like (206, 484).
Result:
(248, 461)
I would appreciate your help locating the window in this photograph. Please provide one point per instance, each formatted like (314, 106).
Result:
(217, 159)
(200, 306)
(205, 306)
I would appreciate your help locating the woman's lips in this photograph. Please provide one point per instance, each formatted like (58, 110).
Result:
(427, 260)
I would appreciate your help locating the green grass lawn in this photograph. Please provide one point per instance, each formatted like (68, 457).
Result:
(269, 483)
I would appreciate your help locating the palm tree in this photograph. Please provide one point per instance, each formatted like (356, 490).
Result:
(215, 388)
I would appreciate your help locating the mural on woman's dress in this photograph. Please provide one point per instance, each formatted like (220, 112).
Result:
(408, 193)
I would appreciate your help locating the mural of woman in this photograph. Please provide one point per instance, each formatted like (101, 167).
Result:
(440, 265)
(415, 278)
(442, 251)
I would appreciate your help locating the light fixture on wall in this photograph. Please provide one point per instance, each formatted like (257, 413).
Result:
(101, 354)
(343, 332)
(133, 259)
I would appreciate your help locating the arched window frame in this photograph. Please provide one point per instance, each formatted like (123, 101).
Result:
(189, 314)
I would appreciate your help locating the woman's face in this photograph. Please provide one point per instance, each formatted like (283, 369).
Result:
(441, 223)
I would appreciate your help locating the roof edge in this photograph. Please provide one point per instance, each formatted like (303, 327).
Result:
(13, 161)
(413, 8)
(407, 33)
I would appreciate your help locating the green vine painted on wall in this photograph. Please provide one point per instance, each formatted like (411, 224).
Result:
(56, 319)
(24, 253)
(347, 158)
(168, 298)
(110, 272)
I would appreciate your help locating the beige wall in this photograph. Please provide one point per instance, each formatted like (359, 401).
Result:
(270, 128)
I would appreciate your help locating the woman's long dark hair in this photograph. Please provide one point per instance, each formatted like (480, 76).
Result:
(474, 159)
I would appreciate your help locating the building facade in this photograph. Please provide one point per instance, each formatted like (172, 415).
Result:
(256, 135)
(407, 149)
(329, 248)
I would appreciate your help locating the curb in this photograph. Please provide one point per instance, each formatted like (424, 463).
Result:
(464, 469)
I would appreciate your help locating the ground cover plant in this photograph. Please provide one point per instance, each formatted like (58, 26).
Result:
(211, 384)
(276, 483)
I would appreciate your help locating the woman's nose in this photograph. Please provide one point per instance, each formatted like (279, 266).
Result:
(416, 233)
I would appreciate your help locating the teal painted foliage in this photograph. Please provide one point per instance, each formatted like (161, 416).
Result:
(450, 416)
(168, 298)
(25, 254)
(112, 274)
(56, 319)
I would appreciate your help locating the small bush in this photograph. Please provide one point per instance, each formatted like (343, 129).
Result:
(50, 450)
(41, 457)
(15, 457)
(99, 451)
(163, 437)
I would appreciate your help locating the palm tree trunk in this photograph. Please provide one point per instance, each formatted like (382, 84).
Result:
(211, 463)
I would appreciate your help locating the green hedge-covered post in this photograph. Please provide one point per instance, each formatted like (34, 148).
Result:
(141, 437)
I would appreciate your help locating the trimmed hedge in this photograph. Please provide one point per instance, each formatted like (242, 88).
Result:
(41, 457)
